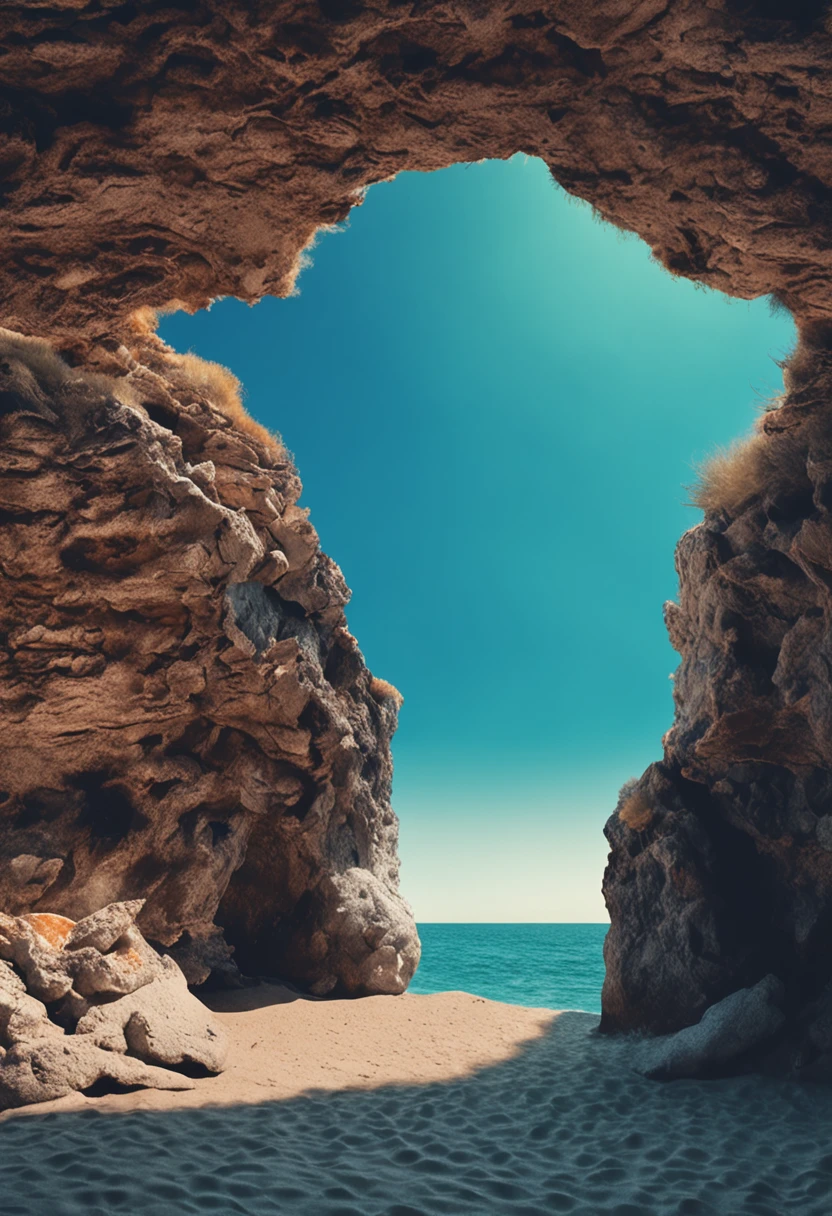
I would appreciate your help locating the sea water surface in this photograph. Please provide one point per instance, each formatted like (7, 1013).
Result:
(553, 966)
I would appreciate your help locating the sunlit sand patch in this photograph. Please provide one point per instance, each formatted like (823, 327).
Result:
(284, 1045)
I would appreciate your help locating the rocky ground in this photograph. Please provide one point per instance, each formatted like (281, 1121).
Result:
(90, 1004)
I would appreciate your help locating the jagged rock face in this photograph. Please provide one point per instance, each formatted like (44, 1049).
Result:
(186, 150)
(185, 716)
(721, 863)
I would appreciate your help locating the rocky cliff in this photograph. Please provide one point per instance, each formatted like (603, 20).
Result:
(721, 864)
(187, 715)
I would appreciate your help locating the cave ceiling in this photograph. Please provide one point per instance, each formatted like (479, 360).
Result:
(163, 151)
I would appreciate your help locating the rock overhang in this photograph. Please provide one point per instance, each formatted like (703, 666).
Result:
(177, 152)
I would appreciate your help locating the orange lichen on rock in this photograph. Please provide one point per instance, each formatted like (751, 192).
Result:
(131, 958)
(51, 927)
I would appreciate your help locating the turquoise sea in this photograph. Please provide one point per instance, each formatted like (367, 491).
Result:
(557, 966)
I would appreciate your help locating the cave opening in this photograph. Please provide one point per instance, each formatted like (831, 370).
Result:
(496, 404)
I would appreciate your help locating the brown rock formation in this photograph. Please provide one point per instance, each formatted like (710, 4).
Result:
(76, 998)
(181, 701)
(185, 701)
(721, 869)
(182, 150)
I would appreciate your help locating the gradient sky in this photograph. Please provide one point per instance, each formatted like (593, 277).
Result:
(496, 403)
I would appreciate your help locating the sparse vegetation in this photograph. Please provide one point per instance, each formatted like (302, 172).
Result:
(214, 381)
(144, 321)
(43, 381)
(777, 306)
(760, 464)
(382, 689)
(731, 476)
(224, 391)
(45, 364)
(636, 812)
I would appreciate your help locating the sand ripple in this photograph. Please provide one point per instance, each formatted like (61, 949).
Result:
(565, 1127)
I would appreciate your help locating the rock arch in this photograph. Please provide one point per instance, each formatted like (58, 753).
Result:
(184, 149)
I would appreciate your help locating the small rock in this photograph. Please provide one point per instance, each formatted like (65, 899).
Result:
(823, 831)
(127, 968)
(22, 1018)
(103, 929)
(42, 964)
(274, 566)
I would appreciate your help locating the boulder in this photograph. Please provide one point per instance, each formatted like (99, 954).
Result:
(162, 1023)
(729, 1029)
(103, 929)
(116, 997)
(51, 1068)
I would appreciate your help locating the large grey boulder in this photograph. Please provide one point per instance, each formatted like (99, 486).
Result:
(729, 1029)
(116, 1010)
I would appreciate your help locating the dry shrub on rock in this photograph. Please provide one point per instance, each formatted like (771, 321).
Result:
(760, 465)
(636, 812)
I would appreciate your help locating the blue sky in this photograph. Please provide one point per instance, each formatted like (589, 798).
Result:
(496, 403)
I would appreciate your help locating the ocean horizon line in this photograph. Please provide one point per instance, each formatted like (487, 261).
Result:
(512, 922)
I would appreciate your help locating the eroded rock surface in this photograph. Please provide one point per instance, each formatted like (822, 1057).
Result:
(187, 714)
(186, 718)
(729, 1031)
(721, 863)
(186, 150)
(75, 999)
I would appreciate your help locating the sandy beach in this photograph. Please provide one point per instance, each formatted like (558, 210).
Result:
(421, 1105)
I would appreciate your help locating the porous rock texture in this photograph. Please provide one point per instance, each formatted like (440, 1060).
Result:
(182, 149)
(192, 718)
(86, 1003)
(721, 864)
(185, 716)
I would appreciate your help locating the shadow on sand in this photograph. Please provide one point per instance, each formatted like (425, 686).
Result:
(564, 1126)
